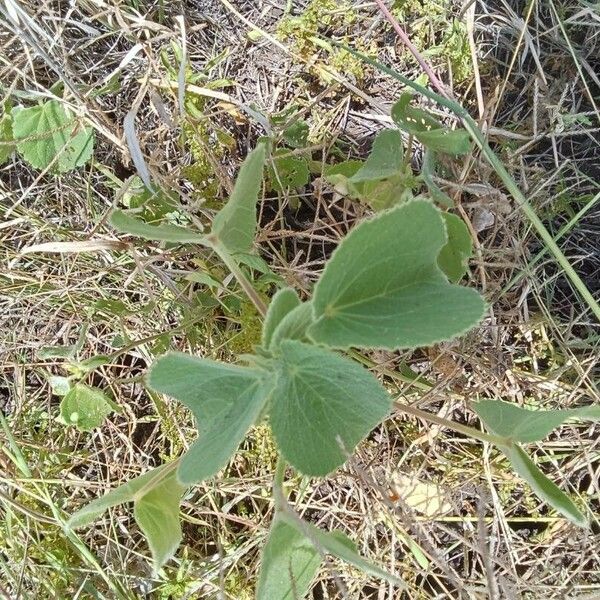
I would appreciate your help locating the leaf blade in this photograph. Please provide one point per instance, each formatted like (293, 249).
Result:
(85, 407)
(157, 514)
(294, 325)
(395, 298)
(428, 130)
(340, 545)
(46, 135)
(546, 489)
(225, 399)
(289, 564)
(235, 224)
(453, 257)
(314, 388)
(156, 497)
(526, 425)
(385, 158)
(165, 232)
(283, 302)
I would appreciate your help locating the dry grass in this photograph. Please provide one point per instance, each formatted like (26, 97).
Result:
(488, 536)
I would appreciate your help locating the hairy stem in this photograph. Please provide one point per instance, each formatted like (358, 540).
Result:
(464, 429)
(237, 272)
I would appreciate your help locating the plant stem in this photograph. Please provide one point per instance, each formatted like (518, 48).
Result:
(278, 491)
(406, 41)
(466, 430)
(245, 284)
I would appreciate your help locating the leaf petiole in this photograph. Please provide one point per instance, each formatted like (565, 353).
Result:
(464, 429)
(237, 272)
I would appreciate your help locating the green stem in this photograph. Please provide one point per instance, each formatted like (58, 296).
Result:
(464, 429)
(414, 380)
(245, 284)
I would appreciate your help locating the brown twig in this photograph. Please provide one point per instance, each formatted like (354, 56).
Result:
(435, 80)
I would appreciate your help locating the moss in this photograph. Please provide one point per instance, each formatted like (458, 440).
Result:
(250, 329)
(303, 31)
(259, 449)
(434, 34)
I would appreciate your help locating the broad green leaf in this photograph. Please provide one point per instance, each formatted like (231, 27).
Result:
(526, 425)
(427, 174)
(323, 405)
(453, 257)
(289, 564)
(235, 224)
(382, 288)
(383, 180)
(46, 131)
(85, 407)
(225, 399)
(157, 514)
(428, 130)
(283, 302)
(288, 172)
(7, 146)
(294, 325)
(156, 496)
(340, 545)
(61, 386)
(166, 232)
(339, 174)
(542, 486)
(385, 193)
(385, 158)
(296, 135)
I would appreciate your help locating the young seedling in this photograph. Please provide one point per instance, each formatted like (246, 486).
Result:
(389, 284)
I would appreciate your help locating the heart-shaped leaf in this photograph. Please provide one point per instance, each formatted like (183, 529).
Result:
(225, 399)
(383, 288)
(235, 224)
(288, 172)
(85, 407)
(323, 405)
(47, 132)
(385, 158)
(383, 180)
(525, 425)
(156, 496)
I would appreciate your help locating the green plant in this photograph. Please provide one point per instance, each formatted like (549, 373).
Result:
(81, 406)
(48, 136)
(384, 287)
